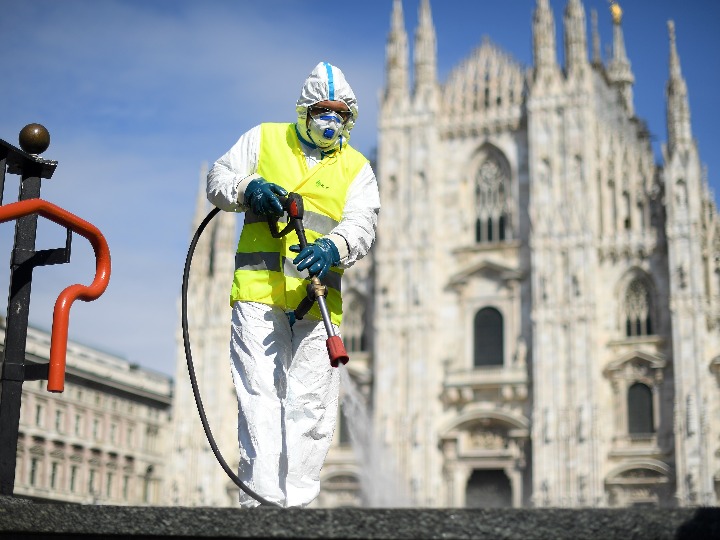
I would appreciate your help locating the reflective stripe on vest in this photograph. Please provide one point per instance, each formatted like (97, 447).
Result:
(271, 263)
(257, 261)
(264, 270)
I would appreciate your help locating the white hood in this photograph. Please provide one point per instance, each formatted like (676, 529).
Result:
(326, 82)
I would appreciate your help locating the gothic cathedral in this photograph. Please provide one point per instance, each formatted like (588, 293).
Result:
(551, 340)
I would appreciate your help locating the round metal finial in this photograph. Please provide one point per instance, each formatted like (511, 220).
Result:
(34, 139)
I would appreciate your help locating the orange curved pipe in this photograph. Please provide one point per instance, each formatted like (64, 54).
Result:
(61, 313)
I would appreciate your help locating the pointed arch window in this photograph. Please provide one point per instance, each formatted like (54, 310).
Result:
(212, 254)
(353, 324)
(491, 202)
(343, 428)
(488, 335)
(638, 309)
(640, 409)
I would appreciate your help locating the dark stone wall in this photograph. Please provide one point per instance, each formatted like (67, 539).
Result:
(26, 520)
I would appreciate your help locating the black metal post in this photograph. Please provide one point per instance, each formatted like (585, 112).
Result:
(13, 368)
(24, 258)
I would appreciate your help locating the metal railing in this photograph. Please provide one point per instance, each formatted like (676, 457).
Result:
(34, 140)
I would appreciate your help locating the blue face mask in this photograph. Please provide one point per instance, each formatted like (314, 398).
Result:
(324, 130)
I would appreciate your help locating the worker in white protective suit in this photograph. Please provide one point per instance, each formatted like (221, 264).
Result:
(287, 390)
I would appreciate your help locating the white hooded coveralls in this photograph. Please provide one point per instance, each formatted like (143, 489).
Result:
(287, 391)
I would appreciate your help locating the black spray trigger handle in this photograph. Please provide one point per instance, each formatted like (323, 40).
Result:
(293, 205)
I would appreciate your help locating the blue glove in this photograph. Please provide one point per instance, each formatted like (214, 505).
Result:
(317, 257)
(261, 195)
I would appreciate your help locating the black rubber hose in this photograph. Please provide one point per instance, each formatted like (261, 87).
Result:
(191, 368)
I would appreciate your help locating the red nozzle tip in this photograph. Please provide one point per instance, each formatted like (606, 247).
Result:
(336, 351)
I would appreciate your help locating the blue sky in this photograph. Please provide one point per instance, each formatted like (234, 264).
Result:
(137, 94)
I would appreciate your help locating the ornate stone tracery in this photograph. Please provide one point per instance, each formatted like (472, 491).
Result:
(488, 82)
(637, 305)
(492, 196)
(637, 309)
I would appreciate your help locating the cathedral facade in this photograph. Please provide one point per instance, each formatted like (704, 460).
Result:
(539, 321)
(547, 296)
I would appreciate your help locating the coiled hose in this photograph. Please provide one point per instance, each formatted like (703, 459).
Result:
(191, 368)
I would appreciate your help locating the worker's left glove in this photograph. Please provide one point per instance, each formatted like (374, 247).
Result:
(262, 197)
(317, 257)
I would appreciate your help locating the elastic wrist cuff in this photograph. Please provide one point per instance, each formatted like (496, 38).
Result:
(243, 184)
(340, 243)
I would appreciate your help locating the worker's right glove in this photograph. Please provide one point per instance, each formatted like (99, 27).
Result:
(317, 257)
(261, 196)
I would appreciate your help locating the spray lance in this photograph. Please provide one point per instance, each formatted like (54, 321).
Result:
(316, 291)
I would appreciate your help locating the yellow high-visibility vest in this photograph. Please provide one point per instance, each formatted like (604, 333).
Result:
(264, 271)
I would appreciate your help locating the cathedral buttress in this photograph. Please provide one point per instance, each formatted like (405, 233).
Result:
(684, 199)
